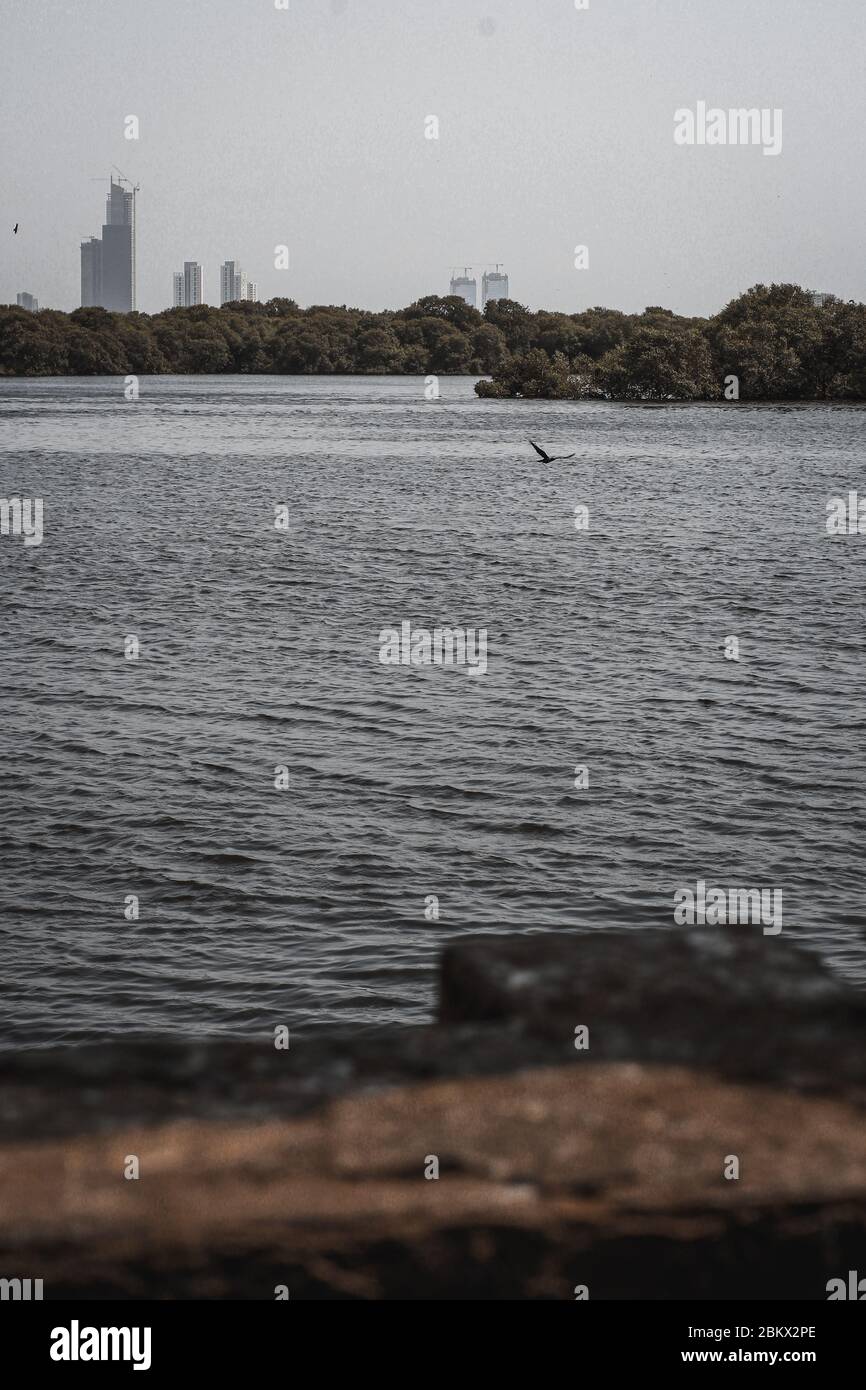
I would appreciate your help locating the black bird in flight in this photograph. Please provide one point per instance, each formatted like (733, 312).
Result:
(15, 229)
(546, 458)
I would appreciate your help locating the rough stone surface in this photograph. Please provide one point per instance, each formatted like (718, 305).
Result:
(48, 1093)
(557, 1167)
(729, 999)
(610, 1177)
(744, 1007)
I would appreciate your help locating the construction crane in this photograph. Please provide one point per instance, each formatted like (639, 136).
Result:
(121, 179)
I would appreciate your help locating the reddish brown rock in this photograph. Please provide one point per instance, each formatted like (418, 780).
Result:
(602, 1167)
(611, 1176)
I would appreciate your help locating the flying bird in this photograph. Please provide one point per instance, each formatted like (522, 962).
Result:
(15, 229)
(547, 458)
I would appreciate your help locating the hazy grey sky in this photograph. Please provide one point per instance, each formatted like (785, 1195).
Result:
(306, 127)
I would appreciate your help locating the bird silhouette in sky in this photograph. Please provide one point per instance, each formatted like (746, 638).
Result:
(548, 458)
(15, 229)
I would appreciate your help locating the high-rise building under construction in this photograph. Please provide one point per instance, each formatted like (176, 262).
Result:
(108, 263)
(494, 285)
(466, 286)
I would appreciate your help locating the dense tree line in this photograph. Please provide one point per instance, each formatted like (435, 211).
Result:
(441, 336)
(773, 340)
(771, 343)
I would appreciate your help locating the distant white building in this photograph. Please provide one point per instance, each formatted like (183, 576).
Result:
(819, 300)
(235, 285)
(188, 286)
(26, 301)
(233, 282)
(465, 286)
(494, 285)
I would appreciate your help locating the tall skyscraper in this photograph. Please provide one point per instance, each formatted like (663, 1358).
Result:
(26, 301)
(233, 282)
(118, 250)
(494, 285)
(108, 265)
(188, 285)
(235, 285)
(91, 272)
(465, 286)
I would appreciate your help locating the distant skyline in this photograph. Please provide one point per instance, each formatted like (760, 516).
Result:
(553, 129)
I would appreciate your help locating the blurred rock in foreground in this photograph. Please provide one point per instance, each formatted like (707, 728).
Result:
(557, 1167)
(727, 998)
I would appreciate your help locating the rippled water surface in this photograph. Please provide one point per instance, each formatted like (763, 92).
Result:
(260, 649)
